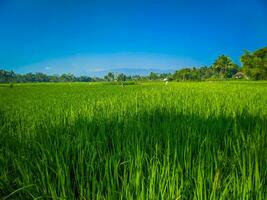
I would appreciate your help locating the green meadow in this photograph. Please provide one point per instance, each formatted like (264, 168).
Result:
(203, 140)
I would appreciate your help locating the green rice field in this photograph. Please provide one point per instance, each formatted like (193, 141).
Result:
(203, 140)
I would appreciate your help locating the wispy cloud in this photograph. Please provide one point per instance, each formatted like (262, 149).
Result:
(98, 64)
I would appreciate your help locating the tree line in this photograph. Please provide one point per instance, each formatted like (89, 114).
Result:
(254, 67)
(11, 77)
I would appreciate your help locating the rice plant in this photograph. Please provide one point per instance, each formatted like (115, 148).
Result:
(203, 140)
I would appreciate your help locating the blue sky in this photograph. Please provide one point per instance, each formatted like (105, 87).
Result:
(96, 36)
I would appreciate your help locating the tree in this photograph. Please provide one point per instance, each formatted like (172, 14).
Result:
(153, 76)
(29, 77)
(164, 75)
(109, 77)
(10, 76)
(255, 64)
(40, 77)
(68, 77)
(121, 77)
(137, 77)
(224, 67)
(84, 79)
(187, 74)
(7, 76)
(54, 78)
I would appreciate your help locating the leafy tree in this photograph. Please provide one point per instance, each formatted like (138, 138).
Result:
(40, 77)
(137, 77)
(224, 67)
(84, 79)
(109, 77)
(187, 74)
(164, 75)
(7, 76)
(153, 76)
(10, 76)
(54, 78)
(255, 64)
(121, 77)
(68, 77)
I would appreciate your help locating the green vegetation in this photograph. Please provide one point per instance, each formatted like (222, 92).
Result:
(254, 67)
(205, 140)
(255, 64)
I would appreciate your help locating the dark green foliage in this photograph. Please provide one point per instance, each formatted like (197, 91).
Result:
(153, 76)
(255, 64)
(10, 76)
(7, 76)
(187, 74)
(224, 67)
(109, 77)
(121, 77)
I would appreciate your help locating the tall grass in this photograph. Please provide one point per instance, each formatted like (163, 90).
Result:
(145, 141)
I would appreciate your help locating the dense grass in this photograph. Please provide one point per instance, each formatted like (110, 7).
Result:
(143, 141)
